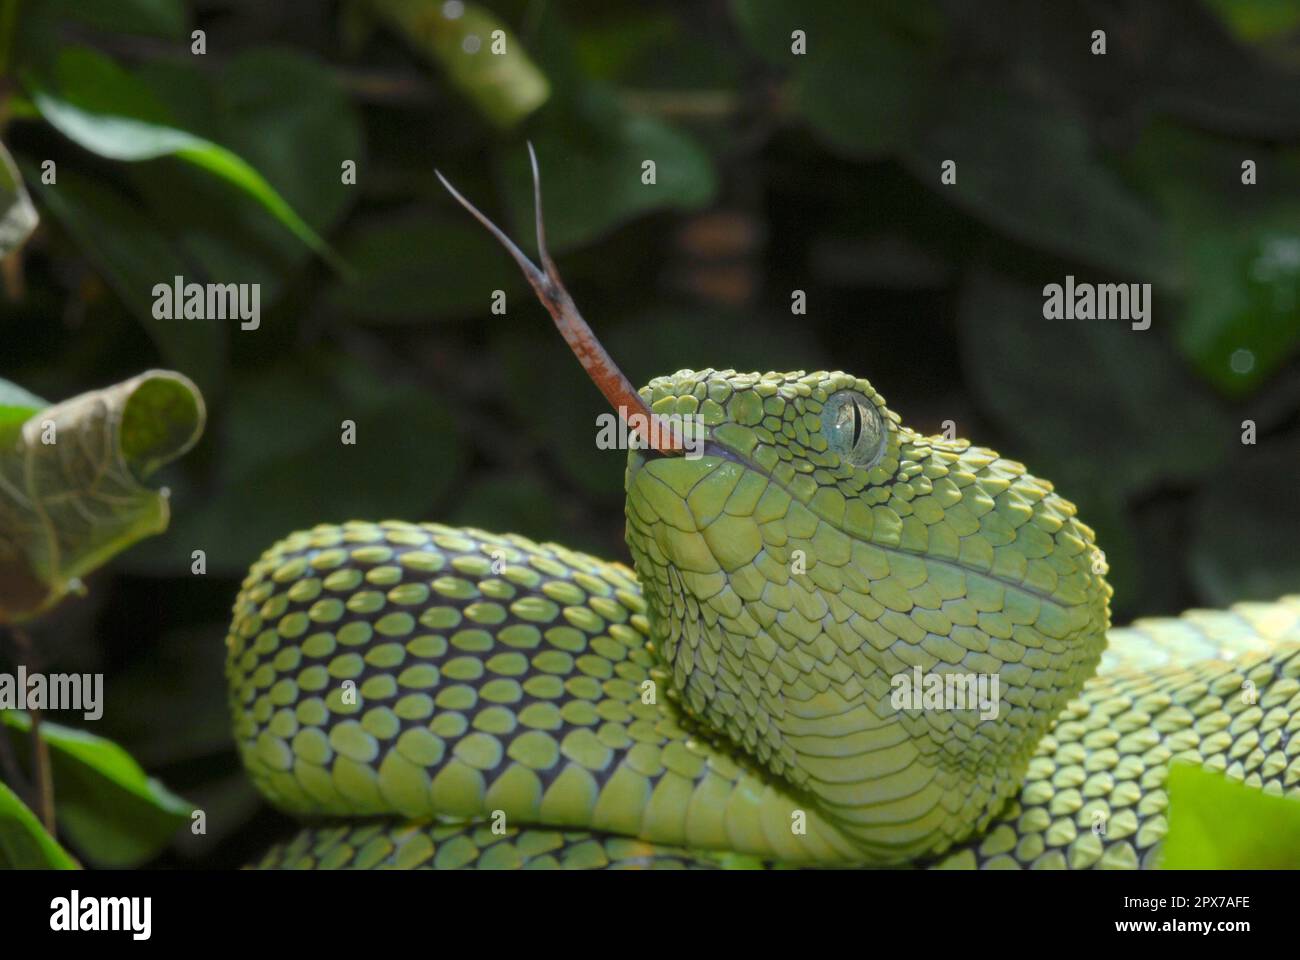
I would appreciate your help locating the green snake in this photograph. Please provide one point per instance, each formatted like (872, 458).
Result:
(428, 696)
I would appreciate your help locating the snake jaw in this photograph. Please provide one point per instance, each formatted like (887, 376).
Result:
(787, 591)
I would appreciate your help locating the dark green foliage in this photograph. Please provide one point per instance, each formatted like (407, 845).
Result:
(775, 173)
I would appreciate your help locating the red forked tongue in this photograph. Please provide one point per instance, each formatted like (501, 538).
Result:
(602, 369)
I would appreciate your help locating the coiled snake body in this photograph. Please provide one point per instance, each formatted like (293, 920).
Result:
(447, 697)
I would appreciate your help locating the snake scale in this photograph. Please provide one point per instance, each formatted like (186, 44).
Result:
(430, 696)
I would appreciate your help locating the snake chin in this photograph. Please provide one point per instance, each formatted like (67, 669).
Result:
(792, 593)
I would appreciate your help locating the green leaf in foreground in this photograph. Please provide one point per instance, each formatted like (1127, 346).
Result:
(24, 843)
(105, 110)
(71, 492)
(1219, 824)
(18, 217)
(107, 807)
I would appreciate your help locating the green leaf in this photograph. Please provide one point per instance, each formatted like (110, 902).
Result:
(12, 395)
(107, 807)
(287, 115)
(1242, 321)
(99, 106)
(1219, 824)
(1246, 524)
(868, 69)
(292, 471)
(1027, 169)
(16, 406)
(132, 254)
(24, 843)
(70, 484)
(18, 217)
(505, 87)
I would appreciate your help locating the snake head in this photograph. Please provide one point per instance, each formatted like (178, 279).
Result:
(820, 559)
(886, 623)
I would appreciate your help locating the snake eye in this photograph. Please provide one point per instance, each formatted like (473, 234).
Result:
(853, 428)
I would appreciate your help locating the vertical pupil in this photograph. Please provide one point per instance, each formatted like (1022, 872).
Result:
(857, 424)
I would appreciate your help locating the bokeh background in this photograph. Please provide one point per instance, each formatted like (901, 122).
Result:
(775, 173)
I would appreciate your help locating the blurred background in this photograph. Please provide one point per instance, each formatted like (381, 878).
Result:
(775, 172)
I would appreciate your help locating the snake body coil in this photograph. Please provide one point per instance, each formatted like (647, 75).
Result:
(418, 675)
(452, 698)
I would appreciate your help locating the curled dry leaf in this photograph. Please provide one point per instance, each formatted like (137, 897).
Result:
(71, 483)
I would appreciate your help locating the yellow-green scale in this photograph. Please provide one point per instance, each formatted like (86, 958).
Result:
(1093, 798)
(425, 671)
(789, 586)
(739, 710)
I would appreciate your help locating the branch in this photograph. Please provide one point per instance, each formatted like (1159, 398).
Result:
(40, 750)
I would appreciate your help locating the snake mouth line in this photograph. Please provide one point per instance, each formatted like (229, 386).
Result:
(710, 448)
(715, 448)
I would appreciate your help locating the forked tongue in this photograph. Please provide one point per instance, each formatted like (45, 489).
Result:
(655, 432)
